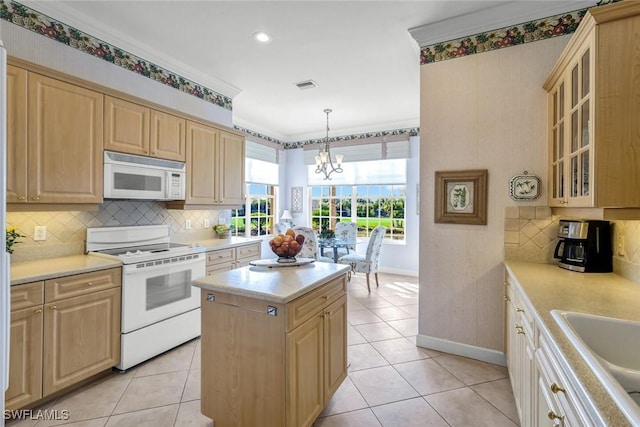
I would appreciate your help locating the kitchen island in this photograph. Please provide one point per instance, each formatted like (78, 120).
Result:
(274, 343)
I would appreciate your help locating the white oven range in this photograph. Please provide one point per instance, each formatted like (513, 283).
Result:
(160, 308)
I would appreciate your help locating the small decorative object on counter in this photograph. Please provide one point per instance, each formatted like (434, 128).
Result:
(222, 230)
(287, 245)
(12, 238)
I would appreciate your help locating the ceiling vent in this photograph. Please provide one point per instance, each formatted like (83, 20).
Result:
(307, 84)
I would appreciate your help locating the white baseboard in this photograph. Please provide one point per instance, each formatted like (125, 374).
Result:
(398, 271)
(466, 350)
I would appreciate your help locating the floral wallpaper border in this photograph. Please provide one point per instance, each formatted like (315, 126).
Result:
(541, 29)
(39, 23)
(353, 137)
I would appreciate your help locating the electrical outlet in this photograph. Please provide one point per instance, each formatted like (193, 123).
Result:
(207, 224)
(620, 246)
(187, 224)
(40, 232)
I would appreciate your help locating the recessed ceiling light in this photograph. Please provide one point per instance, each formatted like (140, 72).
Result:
(262, 37)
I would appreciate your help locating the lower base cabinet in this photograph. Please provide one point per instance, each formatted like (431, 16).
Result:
(544, 395)
(63, 331)
(266, 370)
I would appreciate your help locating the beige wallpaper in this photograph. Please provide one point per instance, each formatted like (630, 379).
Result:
(66, 231)
(486, 111)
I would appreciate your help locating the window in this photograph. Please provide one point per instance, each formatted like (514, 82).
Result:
(367, 205)
(256, 218)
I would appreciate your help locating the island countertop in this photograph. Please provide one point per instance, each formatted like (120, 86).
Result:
(279, 285)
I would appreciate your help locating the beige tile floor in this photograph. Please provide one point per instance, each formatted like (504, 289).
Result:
(391, 382)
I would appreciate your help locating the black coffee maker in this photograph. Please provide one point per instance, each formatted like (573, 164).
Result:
(584, 246)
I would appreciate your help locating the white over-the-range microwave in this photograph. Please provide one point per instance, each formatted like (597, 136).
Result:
(127, 176)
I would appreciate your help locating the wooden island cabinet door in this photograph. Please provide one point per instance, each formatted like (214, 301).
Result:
(305, 371)
(335, 340)
(65, 142)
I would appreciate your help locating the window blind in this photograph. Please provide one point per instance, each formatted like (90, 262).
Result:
(254, 150)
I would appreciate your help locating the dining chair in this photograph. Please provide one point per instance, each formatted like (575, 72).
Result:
(347, 231)
(310, 245)
(369, 262)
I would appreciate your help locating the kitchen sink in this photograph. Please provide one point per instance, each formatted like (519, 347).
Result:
(611, 348)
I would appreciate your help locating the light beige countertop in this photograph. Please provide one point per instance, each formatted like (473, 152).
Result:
(548, 287)
(209, 242)
(279, 285)
(33, 271)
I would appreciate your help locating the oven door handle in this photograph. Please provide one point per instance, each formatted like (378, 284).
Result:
(132, 269)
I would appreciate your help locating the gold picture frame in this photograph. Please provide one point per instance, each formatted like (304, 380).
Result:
(461, 197)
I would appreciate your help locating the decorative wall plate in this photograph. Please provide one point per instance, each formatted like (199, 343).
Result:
(524, 187)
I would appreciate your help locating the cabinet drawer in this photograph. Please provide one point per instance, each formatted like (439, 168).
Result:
(250, 251)
(81, 284)
(220, 256)
(27, 295)
(305, 307)
(215, 268)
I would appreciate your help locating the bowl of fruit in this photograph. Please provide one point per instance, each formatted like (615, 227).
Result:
(287, 245)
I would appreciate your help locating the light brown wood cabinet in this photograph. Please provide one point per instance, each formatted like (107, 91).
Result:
(136, 129)
(594, 148)
(215, 168)
(63, 145)
(230, 258)
(126, 126)
(25, 358)
(167, 135)
(63, 331)
(279, 369)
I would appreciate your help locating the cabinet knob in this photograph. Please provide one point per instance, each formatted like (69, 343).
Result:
(520, 329)
(22, 198)
(89, 283)
(38, 311)
(553, 416)
(325, 297)
(36, 198)
(507, 299)
(53, 307)
(555, 388)
(519, 310)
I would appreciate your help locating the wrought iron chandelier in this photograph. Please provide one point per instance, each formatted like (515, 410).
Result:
(324, 164)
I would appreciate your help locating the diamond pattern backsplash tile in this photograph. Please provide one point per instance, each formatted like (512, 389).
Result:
(533, 237)
(66, 230)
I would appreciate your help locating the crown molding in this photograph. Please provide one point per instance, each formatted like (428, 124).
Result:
(500, 15)
(89, 25)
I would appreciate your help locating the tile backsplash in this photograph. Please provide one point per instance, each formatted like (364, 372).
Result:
(66, 230)
(530, 234)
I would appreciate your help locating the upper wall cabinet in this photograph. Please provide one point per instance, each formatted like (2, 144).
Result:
(126, 126)
(168, 136)
(135, 129)
(215, 168)
(60, 160)
(594, 143)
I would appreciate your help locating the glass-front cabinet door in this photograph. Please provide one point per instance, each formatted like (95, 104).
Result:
(557, 109)
(571, 139)
(580, 147)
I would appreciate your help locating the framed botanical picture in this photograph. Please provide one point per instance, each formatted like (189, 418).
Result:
(461, 197)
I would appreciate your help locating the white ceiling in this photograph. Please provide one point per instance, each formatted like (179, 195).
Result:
(360, 53)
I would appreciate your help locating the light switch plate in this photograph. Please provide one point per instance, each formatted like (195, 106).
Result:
(40, 233)
(187, 224)
(207, 224)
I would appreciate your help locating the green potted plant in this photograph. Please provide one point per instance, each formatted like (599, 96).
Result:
(222, 230)
(12, 238)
